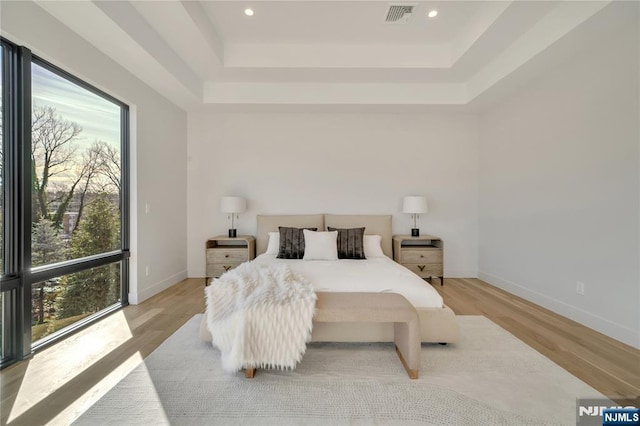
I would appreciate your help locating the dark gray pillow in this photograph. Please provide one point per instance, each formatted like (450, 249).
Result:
(350, 243)
(292, 242)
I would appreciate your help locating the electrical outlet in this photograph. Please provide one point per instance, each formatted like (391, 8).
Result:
(146, 270)
(580, 288)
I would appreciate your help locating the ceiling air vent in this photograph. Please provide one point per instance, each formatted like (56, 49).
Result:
(399, 13)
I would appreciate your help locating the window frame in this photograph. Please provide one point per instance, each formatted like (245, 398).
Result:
(18, 277)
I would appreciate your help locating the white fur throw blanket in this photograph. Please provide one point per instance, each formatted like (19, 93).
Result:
(260, 316)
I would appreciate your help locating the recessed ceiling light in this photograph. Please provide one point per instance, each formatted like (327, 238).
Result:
(248, 12)
(433, 14)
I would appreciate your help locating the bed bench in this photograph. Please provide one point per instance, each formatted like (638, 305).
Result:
(375, 307)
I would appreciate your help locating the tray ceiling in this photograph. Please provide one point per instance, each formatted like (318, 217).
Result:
(203, 54)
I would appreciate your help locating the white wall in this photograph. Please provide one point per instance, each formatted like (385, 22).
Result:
(158, 144)
(288, 163)
(559, 189)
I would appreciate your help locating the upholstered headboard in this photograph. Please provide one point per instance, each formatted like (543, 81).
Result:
(374, 225)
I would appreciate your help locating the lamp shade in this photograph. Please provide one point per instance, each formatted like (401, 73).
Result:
(414, 205)
(233, 204)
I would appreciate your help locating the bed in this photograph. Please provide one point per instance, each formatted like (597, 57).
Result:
(437, 321)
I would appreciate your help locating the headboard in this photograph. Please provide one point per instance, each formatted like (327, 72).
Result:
(374, 225)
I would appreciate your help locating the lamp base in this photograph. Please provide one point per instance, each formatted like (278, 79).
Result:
(233, 233)
(415, 232)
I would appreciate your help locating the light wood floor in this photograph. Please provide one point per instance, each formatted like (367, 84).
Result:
(59, 383)
(609, 366)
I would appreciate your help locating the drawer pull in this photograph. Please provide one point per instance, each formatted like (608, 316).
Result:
(421, 256)
(226, 255)
(421, 267)
(226, 268)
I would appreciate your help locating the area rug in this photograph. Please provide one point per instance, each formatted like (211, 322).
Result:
(489, 378)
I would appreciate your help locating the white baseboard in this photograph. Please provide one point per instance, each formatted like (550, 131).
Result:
(156, 288)
(460, 273)
(596, 322)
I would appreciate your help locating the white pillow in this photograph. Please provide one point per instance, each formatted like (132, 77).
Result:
(320, 245)
(372, 246)
(274, 243)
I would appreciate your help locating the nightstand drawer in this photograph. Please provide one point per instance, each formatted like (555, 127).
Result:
(222, 255)
(217, 269)
(425, 270)
(421, 255)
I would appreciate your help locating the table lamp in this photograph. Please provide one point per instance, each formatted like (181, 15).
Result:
(415, 205)
(233, 206)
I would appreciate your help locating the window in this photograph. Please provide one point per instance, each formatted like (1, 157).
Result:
(75, 212)
(75, 144)
(1, 179)
(65, 300)
(2, 332)
(64, 187)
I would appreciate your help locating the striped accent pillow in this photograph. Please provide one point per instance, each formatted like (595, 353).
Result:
(350, 245)
(292, 242)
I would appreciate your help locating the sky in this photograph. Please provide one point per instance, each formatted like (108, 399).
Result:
(99, 118)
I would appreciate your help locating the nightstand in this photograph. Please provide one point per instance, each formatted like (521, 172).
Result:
(224, 253)
(423, 255)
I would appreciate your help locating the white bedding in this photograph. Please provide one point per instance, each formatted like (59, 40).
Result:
(371, 275)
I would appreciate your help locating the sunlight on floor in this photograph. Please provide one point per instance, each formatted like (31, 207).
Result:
(82, 404)
(150, 404)
(71, 357)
